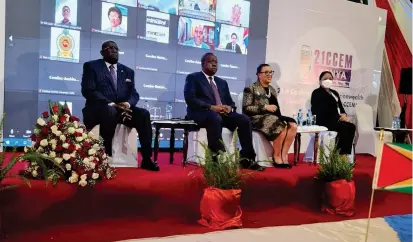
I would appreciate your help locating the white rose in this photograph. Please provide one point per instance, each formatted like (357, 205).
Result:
(83, 183)
(58, 133)
(78, 146)
(71, 130)
(52, 154)
(104, 156)
(41, 122)
(54, 128)
(91, 152)
(95, 176)
(73, 179)
(92, 165)
(83, 177)
(44, 142)
(96, 146)
(53, 147)
(66, 157)
(62, 138)
(55, 117)
(79, 131)
(108, 174)
(40, 150)
(68, 167)
(53, 142)
(76, 124)
(58, 160)
(73, 154)
(34, 173)
(79, 139)
(33, 163)
(84, 136)
(65, 145)
(75, 174)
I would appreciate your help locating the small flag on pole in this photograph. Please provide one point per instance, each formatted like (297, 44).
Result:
(393, 170)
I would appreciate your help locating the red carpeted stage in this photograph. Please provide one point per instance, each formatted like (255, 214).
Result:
(140, 204)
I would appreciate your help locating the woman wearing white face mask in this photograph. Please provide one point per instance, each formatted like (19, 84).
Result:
(330, 113)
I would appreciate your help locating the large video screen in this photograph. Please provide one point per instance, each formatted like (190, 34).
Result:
(48, 41)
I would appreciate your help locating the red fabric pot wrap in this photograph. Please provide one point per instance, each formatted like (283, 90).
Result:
(220, 209)
(339, 197)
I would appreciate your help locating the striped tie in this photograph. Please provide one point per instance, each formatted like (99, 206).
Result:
(113, 74)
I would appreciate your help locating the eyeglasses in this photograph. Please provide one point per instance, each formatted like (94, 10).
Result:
(267, 73)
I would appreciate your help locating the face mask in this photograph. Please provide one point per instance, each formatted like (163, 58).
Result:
(327, 83)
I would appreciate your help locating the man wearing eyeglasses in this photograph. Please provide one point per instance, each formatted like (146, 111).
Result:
(111, 98)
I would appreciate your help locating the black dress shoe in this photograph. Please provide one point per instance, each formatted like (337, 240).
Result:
(149, 165)
(251, 165)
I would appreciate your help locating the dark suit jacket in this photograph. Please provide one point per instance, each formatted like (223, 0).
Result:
(326, 107)
(237, 48)
(98, 87)
(199, 95)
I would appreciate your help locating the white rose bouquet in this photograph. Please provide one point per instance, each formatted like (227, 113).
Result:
(61, 138)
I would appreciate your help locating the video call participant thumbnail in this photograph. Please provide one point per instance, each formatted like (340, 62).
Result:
(64, 45)
(165, 6)
(66, 12)
(196, 33)
(112, 18)
(233, 12)
(231, 38)
(130, 3)
(200, 9)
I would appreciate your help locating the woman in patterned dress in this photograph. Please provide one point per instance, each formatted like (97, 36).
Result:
(261, 105)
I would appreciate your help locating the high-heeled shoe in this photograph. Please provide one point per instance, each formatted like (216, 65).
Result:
(279, 165)
(287, 165)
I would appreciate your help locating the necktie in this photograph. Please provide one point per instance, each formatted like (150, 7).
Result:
(233, 47)
(216, 93)
(113, 74)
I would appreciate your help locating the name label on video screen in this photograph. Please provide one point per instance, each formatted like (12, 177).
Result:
(66, 26)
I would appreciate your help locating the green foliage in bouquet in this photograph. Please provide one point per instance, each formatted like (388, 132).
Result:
(333, 166)
(51, 170)
(5, 169)
(223, 170)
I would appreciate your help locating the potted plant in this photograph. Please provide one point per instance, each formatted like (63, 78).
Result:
(336, 174)
(220, 204)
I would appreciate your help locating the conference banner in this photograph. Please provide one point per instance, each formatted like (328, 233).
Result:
(318, 37)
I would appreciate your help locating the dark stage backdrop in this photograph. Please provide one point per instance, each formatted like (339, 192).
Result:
(47, 42)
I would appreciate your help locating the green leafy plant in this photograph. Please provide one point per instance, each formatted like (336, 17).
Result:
(333, 166)
(6, 168)
(50, 169)
(223, 170)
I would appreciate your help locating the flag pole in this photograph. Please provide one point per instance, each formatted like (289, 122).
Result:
(376, 171)
(368, 219)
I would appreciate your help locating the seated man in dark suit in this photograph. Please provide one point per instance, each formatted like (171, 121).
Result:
(111, 97)
(211, 106)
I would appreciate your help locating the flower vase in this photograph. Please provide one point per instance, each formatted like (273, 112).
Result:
(220, 209)
(338, 198)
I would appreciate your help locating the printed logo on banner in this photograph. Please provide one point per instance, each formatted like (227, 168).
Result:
(315, 61)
